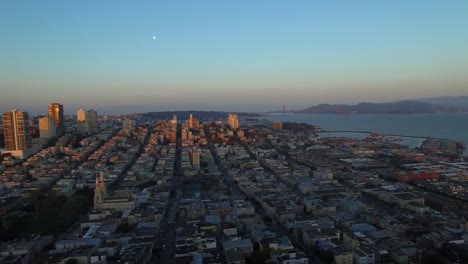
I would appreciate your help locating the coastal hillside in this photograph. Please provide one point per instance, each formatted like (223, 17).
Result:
(402, 107)
(450, 101)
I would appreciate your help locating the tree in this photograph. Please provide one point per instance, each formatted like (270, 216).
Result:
(6, 234)
(267, 219)
(71, 261)
(73, 208)
(88, 192)
(326, 256)
(52, 214)
(124, 228)
(259, 256)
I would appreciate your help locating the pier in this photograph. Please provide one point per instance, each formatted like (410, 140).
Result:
(371, 132)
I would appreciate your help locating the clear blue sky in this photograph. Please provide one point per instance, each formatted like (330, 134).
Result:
(228, 55)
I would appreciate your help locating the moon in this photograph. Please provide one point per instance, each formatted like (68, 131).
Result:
(154, 37)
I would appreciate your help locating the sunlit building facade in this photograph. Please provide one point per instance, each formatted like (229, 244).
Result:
(56, 113)
(196, 158)
(47, 127)
(86, 121)
(233, 121)
(277, 125)
(16, 130)
(81, 115)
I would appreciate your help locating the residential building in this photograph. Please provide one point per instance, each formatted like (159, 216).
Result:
(129, 124)
(81, 123)
(196, 158)
(81, 115)
(86, 121)
(47, 127)
(342, 255)
(56, 113)
(92, 121)
(364, 255)
(16, 130)
(277, 125)
(292, 257)
(232, 121)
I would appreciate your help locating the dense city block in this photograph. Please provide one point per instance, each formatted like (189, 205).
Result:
(141, 189)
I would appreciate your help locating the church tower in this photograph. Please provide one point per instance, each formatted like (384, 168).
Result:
(100, 190)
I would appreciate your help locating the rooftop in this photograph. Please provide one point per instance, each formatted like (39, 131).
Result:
(406, 196)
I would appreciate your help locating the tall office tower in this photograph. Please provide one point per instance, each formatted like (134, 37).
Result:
(81, 115)
(47, 127)
(190, 121)
(92, 121)
(56, 112)
(16, 130)
(232, 121)
(81, 121)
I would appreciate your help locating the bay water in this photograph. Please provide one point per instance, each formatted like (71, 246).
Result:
(440, 125)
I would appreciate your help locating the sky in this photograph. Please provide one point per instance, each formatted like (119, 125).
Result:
(228, 55)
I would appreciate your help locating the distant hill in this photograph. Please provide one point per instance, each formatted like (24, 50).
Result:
(450, 101)
(402, 107)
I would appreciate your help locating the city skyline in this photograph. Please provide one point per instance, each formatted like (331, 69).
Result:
(238, 56)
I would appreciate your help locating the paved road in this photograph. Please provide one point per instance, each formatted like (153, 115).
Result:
(167, 234)
(234, 188)
(166, 243)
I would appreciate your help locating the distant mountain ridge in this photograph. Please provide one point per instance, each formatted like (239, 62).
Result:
(401, 107)
(451, 101)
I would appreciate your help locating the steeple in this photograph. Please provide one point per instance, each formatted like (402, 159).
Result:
(103, 185)
(99, 190)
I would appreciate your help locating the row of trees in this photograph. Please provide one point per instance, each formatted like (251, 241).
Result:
(52, 214)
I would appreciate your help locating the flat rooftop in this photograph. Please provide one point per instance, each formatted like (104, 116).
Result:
(406, 196)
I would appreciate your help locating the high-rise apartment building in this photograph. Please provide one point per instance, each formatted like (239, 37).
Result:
(92, 121)
(232, 121)
(56, 112)
(129, 124)
(81, 124)
(47, 127)
(81, 115)
(16, 130)
(196, 158)
(86, 121)
(190, 123)
(277, 125)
